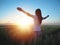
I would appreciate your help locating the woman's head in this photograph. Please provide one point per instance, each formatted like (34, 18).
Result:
(39, 15)
(38, 12)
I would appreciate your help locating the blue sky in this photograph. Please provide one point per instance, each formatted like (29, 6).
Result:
(52, 7)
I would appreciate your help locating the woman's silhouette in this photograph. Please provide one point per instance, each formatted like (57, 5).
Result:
(37, 20)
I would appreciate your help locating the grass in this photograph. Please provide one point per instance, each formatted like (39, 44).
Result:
(50, 35)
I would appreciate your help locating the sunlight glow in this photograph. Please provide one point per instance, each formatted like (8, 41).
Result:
(24, 27)
(23, 22)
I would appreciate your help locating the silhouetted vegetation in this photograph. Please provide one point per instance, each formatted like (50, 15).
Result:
(50, 36)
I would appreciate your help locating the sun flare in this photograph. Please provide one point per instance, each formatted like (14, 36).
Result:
(23, 22)
(22, 26)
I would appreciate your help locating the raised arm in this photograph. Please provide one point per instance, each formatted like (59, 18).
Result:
(45, 17)
(20, 9)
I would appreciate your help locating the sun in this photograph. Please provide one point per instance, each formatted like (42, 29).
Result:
(23, 22)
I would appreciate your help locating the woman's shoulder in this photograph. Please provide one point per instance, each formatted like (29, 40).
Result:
(33, 16)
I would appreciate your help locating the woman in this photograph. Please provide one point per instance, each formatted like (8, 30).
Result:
(37, 20)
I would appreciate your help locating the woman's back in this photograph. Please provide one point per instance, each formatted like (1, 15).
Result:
(36, 24)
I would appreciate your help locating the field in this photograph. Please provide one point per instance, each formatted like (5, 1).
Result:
(50, 36)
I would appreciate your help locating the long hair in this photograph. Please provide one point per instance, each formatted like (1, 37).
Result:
(39, 15)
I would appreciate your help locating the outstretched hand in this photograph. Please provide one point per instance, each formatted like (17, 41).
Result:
(20, 9)
(47, 15)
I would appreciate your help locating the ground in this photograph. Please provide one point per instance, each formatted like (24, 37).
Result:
(50, 35)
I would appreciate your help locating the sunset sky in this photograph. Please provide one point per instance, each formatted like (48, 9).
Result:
(9, 13)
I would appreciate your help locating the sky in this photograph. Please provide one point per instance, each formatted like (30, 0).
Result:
(9, 13)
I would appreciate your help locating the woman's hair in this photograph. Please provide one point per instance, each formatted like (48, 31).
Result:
(39, 15)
